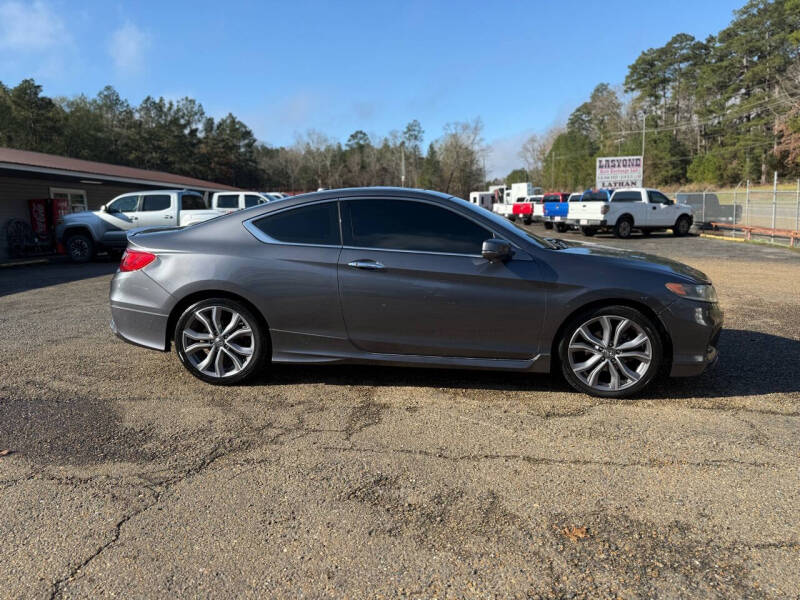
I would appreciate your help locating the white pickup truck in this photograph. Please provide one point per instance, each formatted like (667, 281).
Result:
(230, 201)
(629, 208)
(84, 233)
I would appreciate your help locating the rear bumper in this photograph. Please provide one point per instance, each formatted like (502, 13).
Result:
(695, 329)
(140, 310)
(587, 222)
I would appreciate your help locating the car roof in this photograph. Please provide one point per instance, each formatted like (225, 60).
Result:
(366, 191)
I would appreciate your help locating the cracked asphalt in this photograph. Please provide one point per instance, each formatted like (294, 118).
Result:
(128, 477)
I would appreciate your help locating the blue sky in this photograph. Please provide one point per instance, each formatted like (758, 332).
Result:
(285, 67)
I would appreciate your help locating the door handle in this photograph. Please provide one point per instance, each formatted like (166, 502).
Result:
(369, 265)
(168, 216)
(654, 208)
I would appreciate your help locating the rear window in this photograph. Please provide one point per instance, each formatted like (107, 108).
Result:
(317, 225)
(627, 197)
(155, 202)
(228, 201)
(253, 200)
(191, 202)
(594, 197)
(552, 198)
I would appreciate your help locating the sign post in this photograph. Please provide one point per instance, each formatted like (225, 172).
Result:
(619, 171)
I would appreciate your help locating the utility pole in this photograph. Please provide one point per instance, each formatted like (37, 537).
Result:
(402, 165)
(644, 129)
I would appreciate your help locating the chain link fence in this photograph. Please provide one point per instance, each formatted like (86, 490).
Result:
(770, 209)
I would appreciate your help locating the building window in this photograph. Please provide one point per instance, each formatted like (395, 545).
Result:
(76, 198)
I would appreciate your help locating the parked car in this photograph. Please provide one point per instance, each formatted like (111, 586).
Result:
(529, 209)
(555, 209)
(85, 233)
(230, 201)
(275, 195)
(627, 209)
(403, 277)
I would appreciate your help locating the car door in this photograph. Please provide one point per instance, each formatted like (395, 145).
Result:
(156, 210)
(662, 211)
(120, 215)
(412, 281)
(293, 272)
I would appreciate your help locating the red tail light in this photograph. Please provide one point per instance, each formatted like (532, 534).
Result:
(133, 260)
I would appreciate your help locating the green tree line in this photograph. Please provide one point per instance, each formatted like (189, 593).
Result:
(178, 137)
(718, 111)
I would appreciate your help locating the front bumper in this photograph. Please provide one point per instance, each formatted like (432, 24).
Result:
(140, 310)
(694, 328)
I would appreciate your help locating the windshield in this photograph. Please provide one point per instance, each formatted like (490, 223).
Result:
(594, 197)
(505, 225)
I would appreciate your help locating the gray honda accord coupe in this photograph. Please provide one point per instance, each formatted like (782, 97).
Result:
(405, 277)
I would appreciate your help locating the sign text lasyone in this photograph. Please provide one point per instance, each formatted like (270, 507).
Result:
(619, 171)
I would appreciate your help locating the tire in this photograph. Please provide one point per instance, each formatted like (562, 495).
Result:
(561, 227)
(588, 231)
(548, 225)
(527, 221)
(682, 226)
(208, 321)
(623, 228)
(80, 247)
(587, 365)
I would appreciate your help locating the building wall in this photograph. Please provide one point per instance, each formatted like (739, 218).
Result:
(15, 191)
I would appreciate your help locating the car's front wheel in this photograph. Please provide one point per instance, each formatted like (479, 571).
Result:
(682, 226)
(80, 247)
(220, 341)
(611, 352)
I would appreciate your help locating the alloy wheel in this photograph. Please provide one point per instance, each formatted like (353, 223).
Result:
(78, 248)
(218, 341)
(610, 353)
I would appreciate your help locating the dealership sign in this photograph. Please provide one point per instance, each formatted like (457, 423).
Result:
(619, 171)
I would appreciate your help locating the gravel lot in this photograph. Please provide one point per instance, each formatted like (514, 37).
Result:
(130, 478)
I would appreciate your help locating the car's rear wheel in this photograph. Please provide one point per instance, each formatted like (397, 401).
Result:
(80, 247)
(220, 341)
(548, 225)
(561, 227)
(588, 231)
(623, 228)
(612, 352)
(682, 226)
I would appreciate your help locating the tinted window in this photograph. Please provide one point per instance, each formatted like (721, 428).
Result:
(156, 202)
(315, 224)
(659, 198)
(228, 201)
(190, 202)
(124, 204)
(409, 225)
(594, 197)
(552, 198)
(627, 197)
(253, 200)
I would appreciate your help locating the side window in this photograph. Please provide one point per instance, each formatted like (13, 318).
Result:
(658, 198)
(410, 225)
(156, 202)
(192, 202)
(627, 197)
(228, 201)
(124, 205)
(253, 200)
(316, 224)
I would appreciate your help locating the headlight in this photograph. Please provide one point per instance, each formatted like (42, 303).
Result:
(703, 293)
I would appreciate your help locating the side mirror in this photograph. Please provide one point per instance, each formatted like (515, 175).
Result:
(495, 250)
(103, 208)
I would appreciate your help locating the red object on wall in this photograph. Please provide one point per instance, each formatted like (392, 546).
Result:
(59, 207)
(39, 221)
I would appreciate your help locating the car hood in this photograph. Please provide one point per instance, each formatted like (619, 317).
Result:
(638, 260)
(80, 217)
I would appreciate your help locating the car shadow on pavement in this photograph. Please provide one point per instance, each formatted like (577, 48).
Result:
(751, 363)
(16, 279)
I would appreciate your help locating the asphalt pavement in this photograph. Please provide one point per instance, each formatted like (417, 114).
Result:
(127, 477)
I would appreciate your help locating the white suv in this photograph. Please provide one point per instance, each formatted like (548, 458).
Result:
(630, 208)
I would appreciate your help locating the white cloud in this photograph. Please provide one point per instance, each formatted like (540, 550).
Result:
(128, 48)
(30, 28)
(504, 154)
